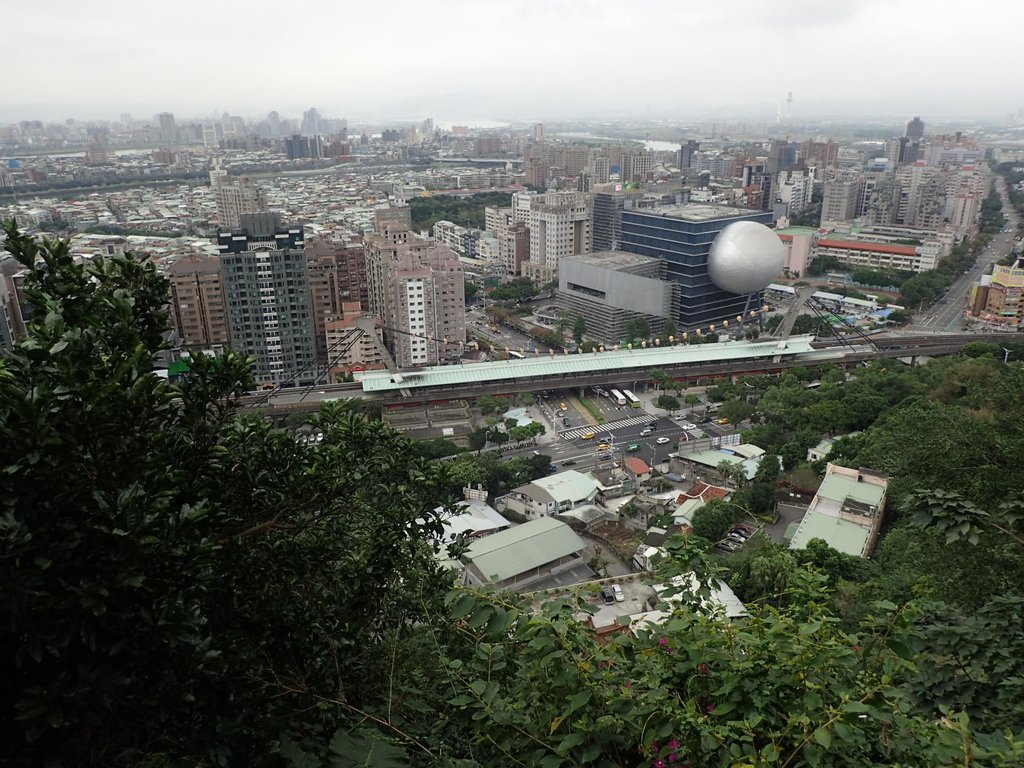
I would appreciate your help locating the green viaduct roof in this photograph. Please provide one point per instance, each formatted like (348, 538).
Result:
(625, 360)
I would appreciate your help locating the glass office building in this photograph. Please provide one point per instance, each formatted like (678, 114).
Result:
(681, 236)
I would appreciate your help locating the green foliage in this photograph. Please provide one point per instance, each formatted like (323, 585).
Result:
(736, 410)
(714, 519)
(154, 545)
(465, 211)
(185, 586)
(579, 328)
(518, 289)
(436, 448)
(670, 330)
(667, 402)
(637, 329)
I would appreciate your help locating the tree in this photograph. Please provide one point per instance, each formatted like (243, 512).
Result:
(476, 439)
(692, 399)
(526, 398)
(579, 328)
(638, 328)
(489, 404)
(736, 410)
(670, 329)
(713, 520)
(667, 402)
(660, 378)
(153, 542)
(732, 472)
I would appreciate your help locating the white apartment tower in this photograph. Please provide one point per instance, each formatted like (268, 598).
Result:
(559, 226)
(236, 195)
(427, 307)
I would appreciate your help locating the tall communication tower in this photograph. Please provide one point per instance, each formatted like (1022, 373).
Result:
(789, 105)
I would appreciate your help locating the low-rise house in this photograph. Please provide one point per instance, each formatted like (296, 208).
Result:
(703, 465)
(550, 495)
(474, 518)
(638, 469)
(846, 512)
(720, 601)
(523, 555)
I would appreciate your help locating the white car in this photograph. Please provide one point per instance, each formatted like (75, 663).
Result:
(619, 597)
(644, 432)
(662, 440)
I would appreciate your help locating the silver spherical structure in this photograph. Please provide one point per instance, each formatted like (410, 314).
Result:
(745, 257)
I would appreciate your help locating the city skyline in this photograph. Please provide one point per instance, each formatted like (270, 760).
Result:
(520, 60)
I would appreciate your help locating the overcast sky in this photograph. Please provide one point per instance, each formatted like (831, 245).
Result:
(512, 59)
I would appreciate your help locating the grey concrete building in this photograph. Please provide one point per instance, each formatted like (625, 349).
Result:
(611, 288)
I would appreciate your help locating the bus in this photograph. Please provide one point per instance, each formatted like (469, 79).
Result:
(633, 400)
(616, 397)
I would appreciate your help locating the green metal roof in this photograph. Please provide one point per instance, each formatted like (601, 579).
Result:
(625, 360)
(568, 486)
(839, 488)
(506, 554)
(839, 534)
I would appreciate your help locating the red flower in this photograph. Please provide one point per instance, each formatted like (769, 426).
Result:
(659, 764)
(673, 744)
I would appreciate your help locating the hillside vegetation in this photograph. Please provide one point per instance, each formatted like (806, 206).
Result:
(183, 584)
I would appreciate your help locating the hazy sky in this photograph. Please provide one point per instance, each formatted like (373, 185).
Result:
(519, 59)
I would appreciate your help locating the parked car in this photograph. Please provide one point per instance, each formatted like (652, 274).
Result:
(608, 596)
(619, 597)
(722, 422)
(662, 440)
(742, 533)
(727, 545)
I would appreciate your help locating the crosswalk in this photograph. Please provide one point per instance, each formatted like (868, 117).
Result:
(573, 434)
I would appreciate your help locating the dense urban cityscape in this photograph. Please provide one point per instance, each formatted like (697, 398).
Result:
(603, 426)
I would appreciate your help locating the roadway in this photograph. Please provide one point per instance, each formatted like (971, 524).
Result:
(584, 454)
(947, 313)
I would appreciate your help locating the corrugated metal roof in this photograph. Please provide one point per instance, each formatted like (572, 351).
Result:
(567, 486)
(591, 362)
(506, 554)
(841, 535)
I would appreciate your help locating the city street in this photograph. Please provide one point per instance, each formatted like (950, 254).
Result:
(946, 314)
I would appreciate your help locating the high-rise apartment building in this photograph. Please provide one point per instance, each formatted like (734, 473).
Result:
(681, 236)
(559, 226)
(198, 305)
(266, 284)
(607, 204)
(538, 131)
(235, 196)
(426, 307)
(297, 147)
(337, 276)
(915, 129)
(841, 197)
(687, 151)
(354, 342)
(311, 124)
(383, 248)
(168, 128)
